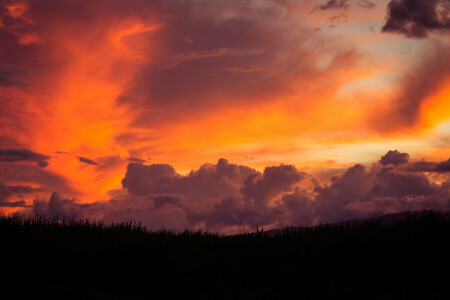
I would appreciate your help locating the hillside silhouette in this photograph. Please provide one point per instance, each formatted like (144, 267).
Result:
(76, 258)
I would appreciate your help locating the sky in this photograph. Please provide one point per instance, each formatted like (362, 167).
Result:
(224, 115)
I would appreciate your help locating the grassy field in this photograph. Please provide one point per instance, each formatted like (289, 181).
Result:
(80, 259)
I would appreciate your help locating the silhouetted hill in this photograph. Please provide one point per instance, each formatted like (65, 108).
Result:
(78, 259)
(384, 219)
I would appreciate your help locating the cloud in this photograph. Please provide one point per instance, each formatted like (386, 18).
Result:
(394, 157)
(426, 77)
(427, 166)
(360, 192)
(228, 197)
(443, 167)
(9, 76)
(14, 155)
(57, 206)
(136, 160)
(18, 175)
(87, 161)
(258, 189)
(23, 189)
(144, 180)
(334, 4)
(258, 51)
(254, 205)
(5, 193)
(416, 18)
(160, 201)
(17, 21)
(388, 183)
(353, 186)
(388, 188)
(220, 180)
(337, 20)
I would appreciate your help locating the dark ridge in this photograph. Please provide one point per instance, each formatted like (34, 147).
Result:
(384, 219)
(79, 259)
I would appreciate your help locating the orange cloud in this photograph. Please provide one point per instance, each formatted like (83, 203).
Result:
(190, 82)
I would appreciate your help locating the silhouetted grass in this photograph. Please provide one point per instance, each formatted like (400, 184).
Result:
(76, 258)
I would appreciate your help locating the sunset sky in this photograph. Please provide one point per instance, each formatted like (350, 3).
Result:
(224, 115)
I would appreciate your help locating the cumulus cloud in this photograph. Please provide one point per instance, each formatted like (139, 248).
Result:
(220, 180)
(253, 206)
(57, 206)
(14, 155)
(416, 18)
(353, 186)
(228, 197)
(258, 189)
(395, 158)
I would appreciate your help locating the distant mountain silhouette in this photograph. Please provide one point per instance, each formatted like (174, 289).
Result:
(384, 219)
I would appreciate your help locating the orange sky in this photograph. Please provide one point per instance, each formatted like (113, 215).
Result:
(258, 83)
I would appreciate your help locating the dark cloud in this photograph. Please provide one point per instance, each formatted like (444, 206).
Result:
(23, 189)
(106, 163)
(220, 180)
(416, 18)
(253, 207)
(57, 207)
(426, 78)
(394, 157)
(421, 166)
(258, 189)
(144, 180)
(334, 4)
(5, 193)
(32, 175)
(443, 167)
(360, 192)
(87, 160)
(232, 211)
(14, 155)
(136, 160)
(331, 200)
(12, 204)
(9, 75)
(426, 166)
(163, 200)
(391, 184)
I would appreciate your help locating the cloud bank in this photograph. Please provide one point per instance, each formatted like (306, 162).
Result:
(228, 197)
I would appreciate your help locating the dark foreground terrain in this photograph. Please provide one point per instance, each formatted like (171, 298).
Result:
(366, 260)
